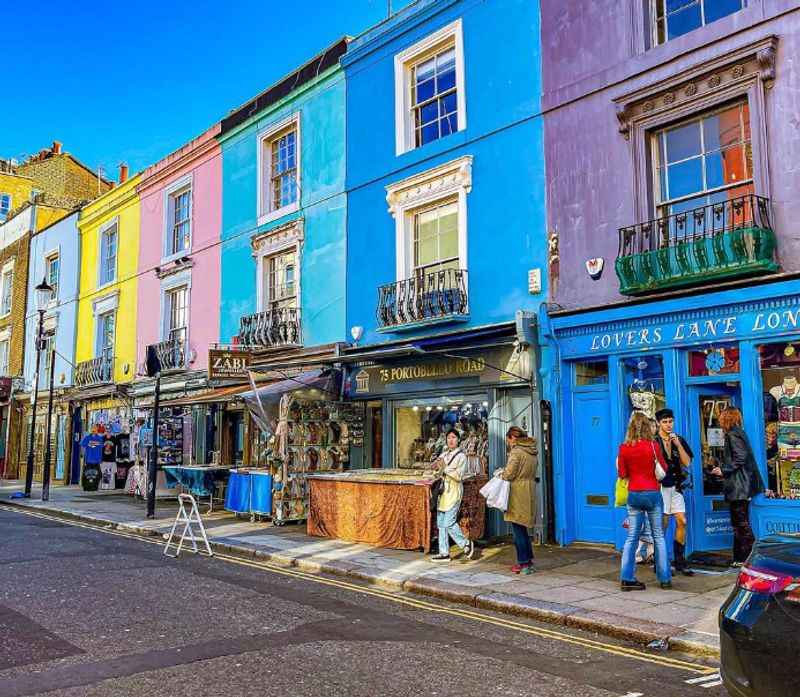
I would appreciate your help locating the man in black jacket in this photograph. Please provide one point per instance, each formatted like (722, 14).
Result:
(678, 455)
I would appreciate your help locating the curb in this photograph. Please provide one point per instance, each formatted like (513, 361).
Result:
(640, 632)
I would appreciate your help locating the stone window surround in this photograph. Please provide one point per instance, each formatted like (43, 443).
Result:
(451, 179)
(263, 156)
(8, 266)
(275, 241)
(747, 71)
(403, 61)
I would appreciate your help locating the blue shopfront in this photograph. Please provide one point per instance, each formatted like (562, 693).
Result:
(695, 354)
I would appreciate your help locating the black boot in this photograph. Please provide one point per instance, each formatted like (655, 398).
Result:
(681, 566)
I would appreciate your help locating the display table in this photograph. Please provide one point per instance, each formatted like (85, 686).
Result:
(198, 479)
(386, 508)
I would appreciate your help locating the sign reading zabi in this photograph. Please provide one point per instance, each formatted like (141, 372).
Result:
(224, 364)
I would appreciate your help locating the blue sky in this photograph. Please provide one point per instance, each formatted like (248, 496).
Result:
(131, 82)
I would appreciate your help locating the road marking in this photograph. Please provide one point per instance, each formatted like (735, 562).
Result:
(634, 694)
(705, 679)
(626, 652)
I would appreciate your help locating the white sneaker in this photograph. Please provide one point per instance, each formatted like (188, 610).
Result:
(469, 550)
(439, 558)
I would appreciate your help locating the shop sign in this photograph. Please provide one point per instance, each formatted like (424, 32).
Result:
(717, 325)
(226, 364)
(781, 527)
(718, 523)
(378, 379)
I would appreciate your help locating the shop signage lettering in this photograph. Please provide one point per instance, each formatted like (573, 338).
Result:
(782, 526)
(718, 523)
(424, 371)
(701, 330)
(224, 364)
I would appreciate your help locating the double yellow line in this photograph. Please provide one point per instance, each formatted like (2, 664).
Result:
(505, 623)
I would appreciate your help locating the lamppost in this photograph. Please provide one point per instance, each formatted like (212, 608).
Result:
(44, 293)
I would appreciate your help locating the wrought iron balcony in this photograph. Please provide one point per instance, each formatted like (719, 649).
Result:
(97, 371)
(172, 352)
(716, 241)
(276, 327)
(426, 297)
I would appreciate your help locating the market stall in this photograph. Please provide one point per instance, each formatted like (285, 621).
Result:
(200, 480)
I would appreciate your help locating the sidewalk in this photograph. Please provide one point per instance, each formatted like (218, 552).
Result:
(575, 586)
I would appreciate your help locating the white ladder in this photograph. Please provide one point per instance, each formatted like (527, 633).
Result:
(189, 519)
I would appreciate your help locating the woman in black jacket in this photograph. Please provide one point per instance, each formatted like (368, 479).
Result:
(742, 482)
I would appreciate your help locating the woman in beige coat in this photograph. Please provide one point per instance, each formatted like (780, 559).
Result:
(519, 471)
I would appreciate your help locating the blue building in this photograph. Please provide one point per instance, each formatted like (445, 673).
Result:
(55, 257)
(446, 237)
(284, 211)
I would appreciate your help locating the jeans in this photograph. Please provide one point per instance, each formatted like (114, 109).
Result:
(448, 527)
(645, 505)
(743, 538)
(645, 539)
(522, 541)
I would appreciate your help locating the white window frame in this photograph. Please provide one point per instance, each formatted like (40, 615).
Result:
(8, 268)
(4, 217)
(98, 345)
(171, 283)
(404, 61)
(450, 181)
(5, 341)
(48, 341)
(652, 8)
(48, 258)
(264, 180)
(171, 193)
(266, 246)
(101, 234)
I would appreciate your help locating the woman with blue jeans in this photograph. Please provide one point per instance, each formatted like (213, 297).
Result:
(453, 464)
(636, 463)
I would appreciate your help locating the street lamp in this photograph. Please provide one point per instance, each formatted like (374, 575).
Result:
(44, 293)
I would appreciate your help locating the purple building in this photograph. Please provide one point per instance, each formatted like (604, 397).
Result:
(672, 141)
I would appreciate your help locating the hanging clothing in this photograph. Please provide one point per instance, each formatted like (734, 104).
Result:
(92, 445)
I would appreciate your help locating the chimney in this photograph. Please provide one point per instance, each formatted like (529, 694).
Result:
(56, 149)
(123, 172)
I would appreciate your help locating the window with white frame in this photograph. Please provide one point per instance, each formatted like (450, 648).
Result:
(52, 273)
(279, 279)
(106, 326)
(673, 18)
(108, 254)
(5, 206)
(434, 238)
(176, 314)
(179, 206)
(6, 291)
(429, 89)
(704, 160)
(280, 158)
(4, 357)
(46, 348)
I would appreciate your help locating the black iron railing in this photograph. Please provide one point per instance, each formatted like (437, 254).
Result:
(425, 297)
(97, 371)
(172, 352)
(278, 326)
(730, 238)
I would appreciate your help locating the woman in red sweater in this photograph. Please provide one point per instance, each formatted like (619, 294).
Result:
(636, 463)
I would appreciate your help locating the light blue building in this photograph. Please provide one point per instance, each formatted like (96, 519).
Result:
(446, 235)
(284, 211)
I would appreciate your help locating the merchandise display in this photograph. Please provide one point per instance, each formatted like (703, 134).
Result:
(170, 437)
(644, 382)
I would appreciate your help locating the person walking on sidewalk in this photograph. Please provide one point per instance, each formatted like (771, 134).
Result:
(678, 455)
(519, 472)
(742, 481)
(636, 462)
(454, 469)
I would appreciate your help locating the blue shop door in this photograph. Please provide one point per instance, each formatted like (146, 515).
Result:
(709, 519)
(594, 457)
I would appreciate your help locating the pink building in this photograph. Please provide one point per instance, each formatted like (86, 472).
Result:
(179, 261)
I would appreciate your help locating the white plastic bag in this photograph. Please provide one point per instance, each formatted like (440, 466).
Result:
(495, 491)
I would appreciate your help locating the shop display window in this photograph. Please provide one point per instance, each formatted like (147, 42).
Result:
(644, 384)
(714, 360)
(420, 426)
(591, 373)
(712, 437)
(780, 370)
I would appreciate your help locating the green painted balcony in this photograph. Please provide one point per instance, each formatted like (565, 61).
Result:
(718, 241)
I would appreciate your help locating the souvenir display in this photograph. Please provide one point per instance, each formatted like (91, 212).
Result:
(317, 437)
(170, 438)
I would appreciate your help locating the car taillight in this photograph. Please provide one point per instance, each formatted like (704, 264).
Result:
(767, 582)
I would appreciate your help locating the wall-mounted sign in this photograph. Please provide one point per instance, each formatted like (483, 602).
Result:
(225, 364)
(718, 523)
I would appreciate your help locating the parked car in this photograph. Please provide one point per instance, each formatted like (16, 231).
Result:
(759, 623)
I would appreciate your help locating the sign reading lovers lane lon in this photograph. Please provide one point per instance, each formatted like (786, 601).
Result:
(392, 377)
(224, 364)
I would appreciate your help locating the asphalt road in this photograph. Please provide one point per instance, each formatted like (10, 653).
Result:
(88, 613)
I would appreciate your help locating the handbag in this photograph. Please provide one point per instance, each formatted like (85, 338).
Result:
(621, 492)
(658, 469)
(437, 489)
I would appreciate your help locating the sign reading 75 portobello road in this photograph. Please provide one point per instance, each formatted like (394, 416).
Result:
(224, 364)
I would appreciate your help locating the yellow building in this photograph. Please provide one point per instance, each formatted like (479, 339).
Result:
(105, 351)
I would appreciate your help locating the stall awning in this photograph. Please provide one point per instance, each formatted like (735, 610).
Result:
(219, 394)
